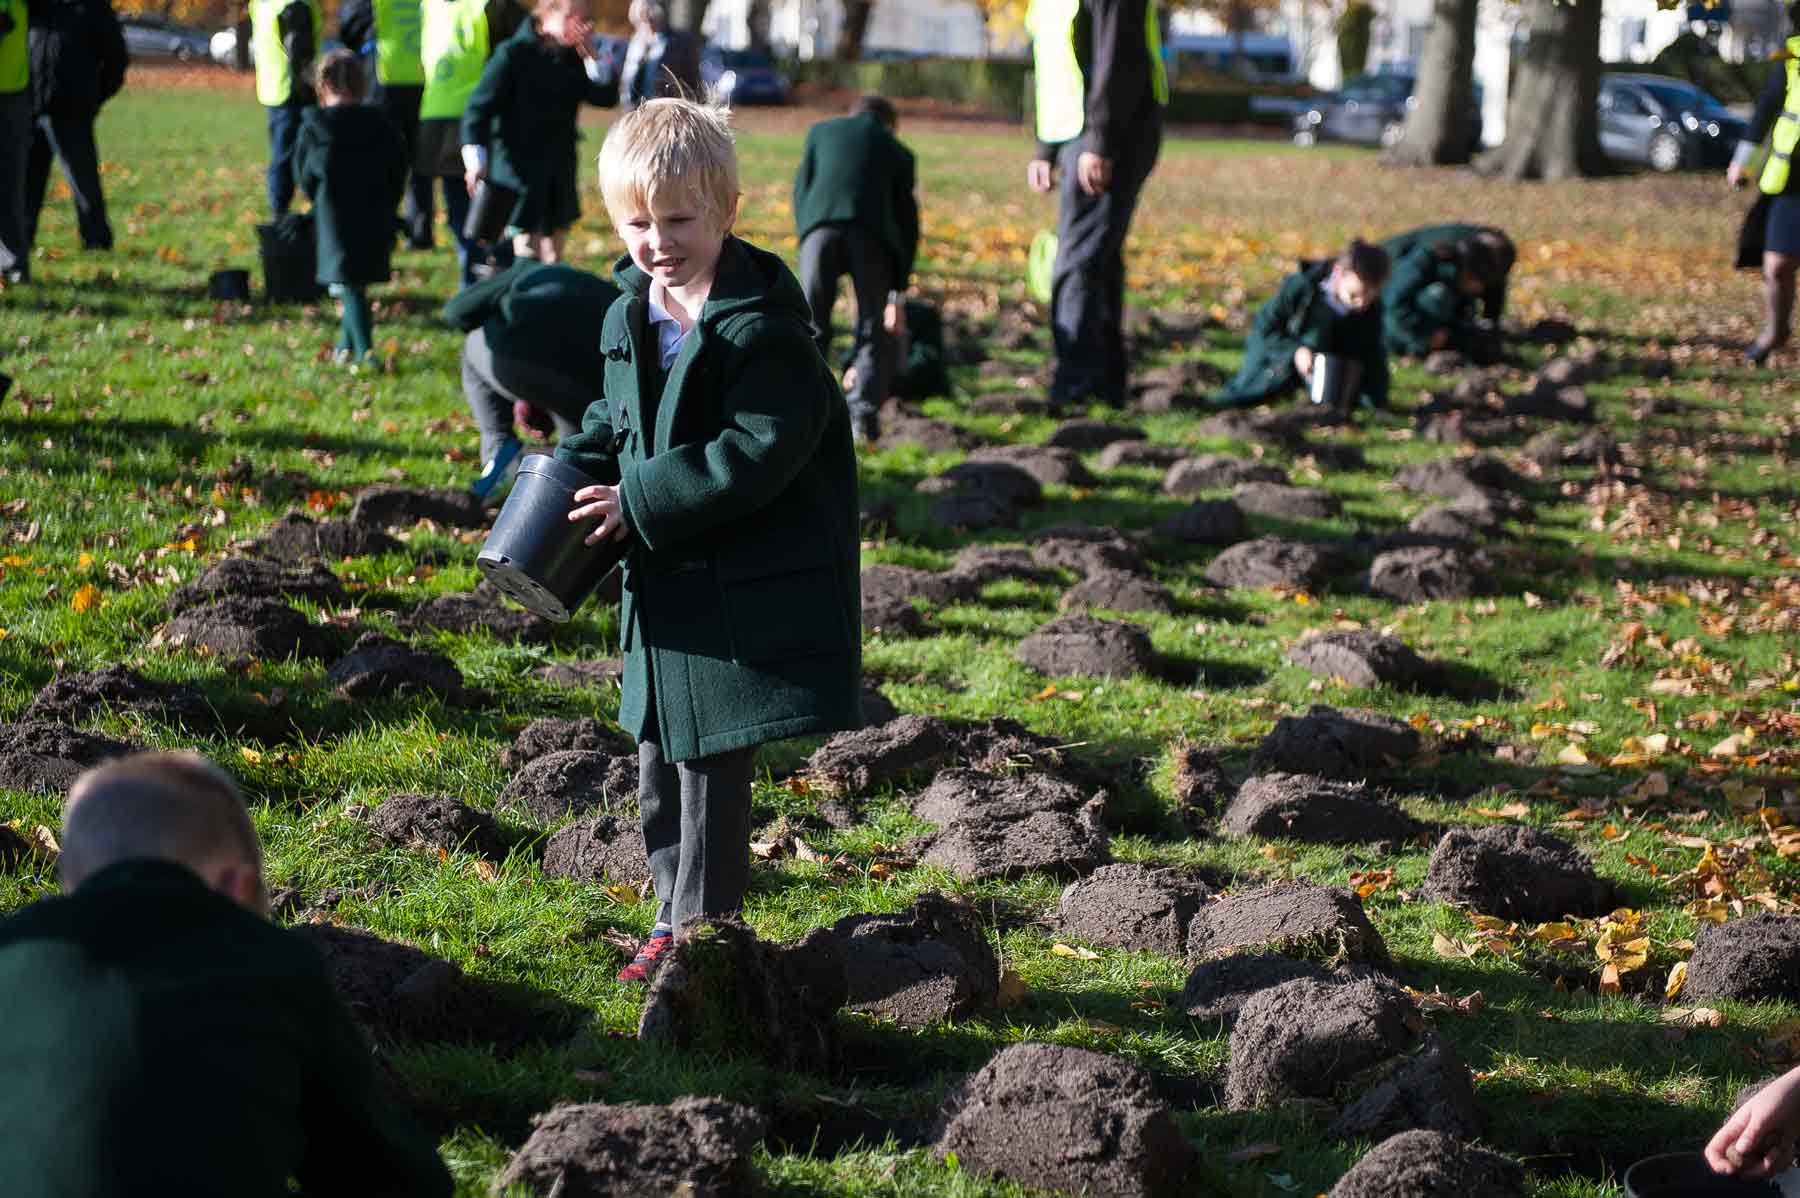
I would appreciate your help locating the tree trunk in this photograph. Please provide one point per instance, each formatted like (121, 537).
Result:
(756, 20)
(856, 27)
(1438, 130)
(1552, 125)
(687, 15)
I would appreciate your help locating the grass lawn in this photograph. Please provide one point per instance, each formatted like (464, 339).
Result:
(151, 429)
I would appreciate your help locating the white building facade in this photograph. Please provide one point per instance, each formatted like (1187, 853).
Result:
(810, 28)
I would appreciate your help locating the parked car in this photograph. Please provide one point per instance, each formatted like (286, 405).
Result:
(743, 76)
(1369, 110)
(1665, 124)
(154, 37)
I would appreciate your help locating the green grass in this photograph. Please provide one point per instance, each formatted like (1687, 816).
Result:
(151, 429)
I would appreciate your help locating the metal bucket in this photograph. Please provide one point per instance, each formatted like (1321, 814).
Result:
(534, 554)
(1687, 1175)
(1331, 380)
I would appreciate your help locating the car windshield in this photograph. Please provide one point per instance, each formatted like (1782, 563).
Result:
(1378, 87)
(1682, 97)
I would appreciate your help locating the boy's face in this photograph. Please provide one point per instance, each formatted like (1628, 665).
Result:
(676, 242)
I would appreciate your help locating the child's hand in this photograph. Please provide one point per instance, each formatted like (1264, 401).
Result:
(580, 34)
(1758, 1139)
(472, 177)
(1303, 358)
(1734, 174)
(606, 504)
(893, 318)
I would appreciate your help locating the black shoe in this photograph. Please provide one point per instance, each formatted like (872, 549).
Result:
(1759, 351)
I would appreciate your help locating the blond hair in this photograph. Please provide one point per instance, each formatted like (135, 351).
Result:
(670, 146)
(176, 807)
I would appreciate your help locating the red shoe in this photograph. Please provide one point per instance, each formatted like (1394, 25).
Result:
(645, 962)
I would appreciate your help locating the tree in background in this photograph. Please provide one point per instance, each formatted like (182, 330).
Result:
(1552, 117)
(1439, 128)
(1355, 27)
(756, 20)
(856, 28)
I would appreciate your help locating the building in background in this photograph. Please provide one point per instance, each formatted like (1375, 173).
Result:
(897, 28)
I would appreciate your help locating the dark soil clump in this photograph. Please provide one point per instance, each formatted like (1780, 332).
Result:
(978, 565)
(552, 734)
(855, 762)
(378, 666)
(302, 540)
(723, 993)
(1430, 1164)
(1140, 453)
(1516, 873)
(1086, 645)
(1351, 743)
(1306, 1038)
(609, 848)
(1202, 788)
(256, 629)
(891, 618)
(46, 758)
(1285, 502)
(905, 583)
(73, 698)
(929, 964)
(1132, 907)
(1008, 826)
(1754, 959)
(1217, 472)
(1067, 1119)
(1086, 549)
(1420, 572)
(1012, 486)
(1456, 476)
(254, 578)
(1206, 522)
(1086, 435)
(1115, 590)
(402, 507)
(1316, 810)
(1050, 465)
(482, 609)
(1432, 1089)
(573, 782)
(440, 822)
(1218, 990)
(1362, 659)
(876, 708)
(694, 1147)
(1271, 562)
(1320, 923)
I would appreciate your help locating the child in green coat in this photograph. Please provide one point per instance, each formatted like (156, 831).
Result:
(1432, 300)
(1328, 308)
(352, 163)
(722, 446)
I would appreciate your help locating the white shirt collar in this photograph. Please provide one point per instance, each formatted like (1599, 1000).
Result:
(1331, 298)
(669, 333)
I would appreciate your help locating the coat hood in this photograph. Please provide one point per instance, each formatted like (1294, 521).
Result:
(356, 126)
(747, 280)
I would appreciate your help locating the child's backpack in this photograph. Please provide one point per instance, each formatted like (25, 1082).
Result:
(289, 259)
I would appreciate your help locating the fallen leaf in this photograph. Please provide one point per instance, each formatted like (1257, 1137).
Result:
(1012, 992)
(1677, 979)
(1444, 946)
(1572, 755)
(485, 870)
(1517, 809)
(85, 598)
(1059, 949)
(1609, 980)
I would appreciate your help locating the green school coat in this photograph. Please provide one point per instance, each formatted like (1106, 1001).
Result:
(854, 171)
(1421, 298)
(540, 313)
(352, 162)
(741, 615)
(1401, 244)
(1298, 315)
(158, 1039)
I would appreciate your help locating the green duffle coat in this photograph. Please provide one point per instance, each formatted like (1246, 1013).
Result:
(350, 160)
(854, 171)
(1422, 298)
(524, 111)
(741, 614)
(541, 313)
(1431, 236)
(1298, 316)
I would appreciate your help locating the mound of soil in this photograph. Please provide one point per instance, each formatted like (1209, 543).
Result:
(1347, 743)
(1007, 403)
(1011, 485)
(1430, 1164)
(1003, 827)
(978, 565)
(933, 436)
(860, 761)
(884, 581)
(694, 1147)
(581, 675)
(1086, 549)
(1206, 522)
(1048, 464)
(1115, 590)
(1459, 520)
(1516, 873)
(1334, 455)
(573, 782)
(1218, 990)
(1285, 502)
(1321, 923)
(302, 540)
(440, 822)
(1416, 573)
(398, 994)
(236, 628)
(1201, 786)
(1140, 453)
(378, 666)
(929, 964)
(1088, 646)
(609, 848)
(1271, 562)
(1307, 1038)
(1754, 959)
(1432, 1089)
(73, 698)
(723, 993)
(1001, 746)
(891, 618)
(385, 506)
(1132, 907)
(973, 510)
(1067, 1119)
(1362, 658)
(46, 758)
(1316, 810)
(1457, 476)
(876, 709)
(481, 609)
(1084, 436)
(1270, 426)
(1217, 472)
(554, 735)
(254, 578)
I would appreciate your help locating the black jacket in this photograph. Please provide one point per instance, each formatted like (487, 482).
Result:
(854, 171)
(1115, 63)
(78, 58)
(349, 159)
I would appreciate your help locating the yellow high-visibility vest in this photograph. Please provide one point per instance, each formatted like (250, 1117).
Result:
(397, 54)
(453, 47)
(15, 52)
(1786, 134)
(1061, 95)
(274, 73)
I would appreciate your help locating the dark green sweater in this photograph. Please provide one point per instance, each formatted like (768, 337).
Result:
(1422, 299)
(352, 162)
(741, 616)
(854, 171)
(158, 1040)
(1296, 316)
(535, 312)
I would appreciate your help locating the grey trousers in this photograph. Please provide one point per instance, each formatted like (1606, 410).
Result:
(16, 132)
(696, 818)
(828, 254)
(492, 383)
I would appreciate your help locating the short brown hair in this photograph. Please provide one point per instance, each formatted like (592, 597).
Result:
(670, 144)
(165, 806)
(340, 72)
(1366, 261)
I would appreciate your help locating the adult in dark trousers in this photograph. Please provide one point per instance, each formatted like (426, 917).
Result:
(659, 61)
(856, 214)
(532, 355)
(286, 36)
(1101, 89)
(1777, 117)
(78, 61)
(1500, 258)
(15, 139)
(394, 27)
(458, 37)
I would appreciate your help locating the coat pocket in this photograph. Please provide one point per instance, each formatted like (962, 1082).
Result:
(779, 617)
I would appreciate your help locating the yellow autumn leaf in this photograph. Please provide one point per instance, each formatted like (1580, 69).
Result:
(1060, 949)
(1444, 946)
(1572, 755)
(86, 598)
(1012, 990)
(252, 756)
(1677, 979)
(1609, 980)
(485, 870)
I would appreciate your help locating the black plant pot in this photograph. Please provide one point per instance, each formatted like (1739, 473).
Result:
(228, 285)
(534, 554)
(1687, 1175)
